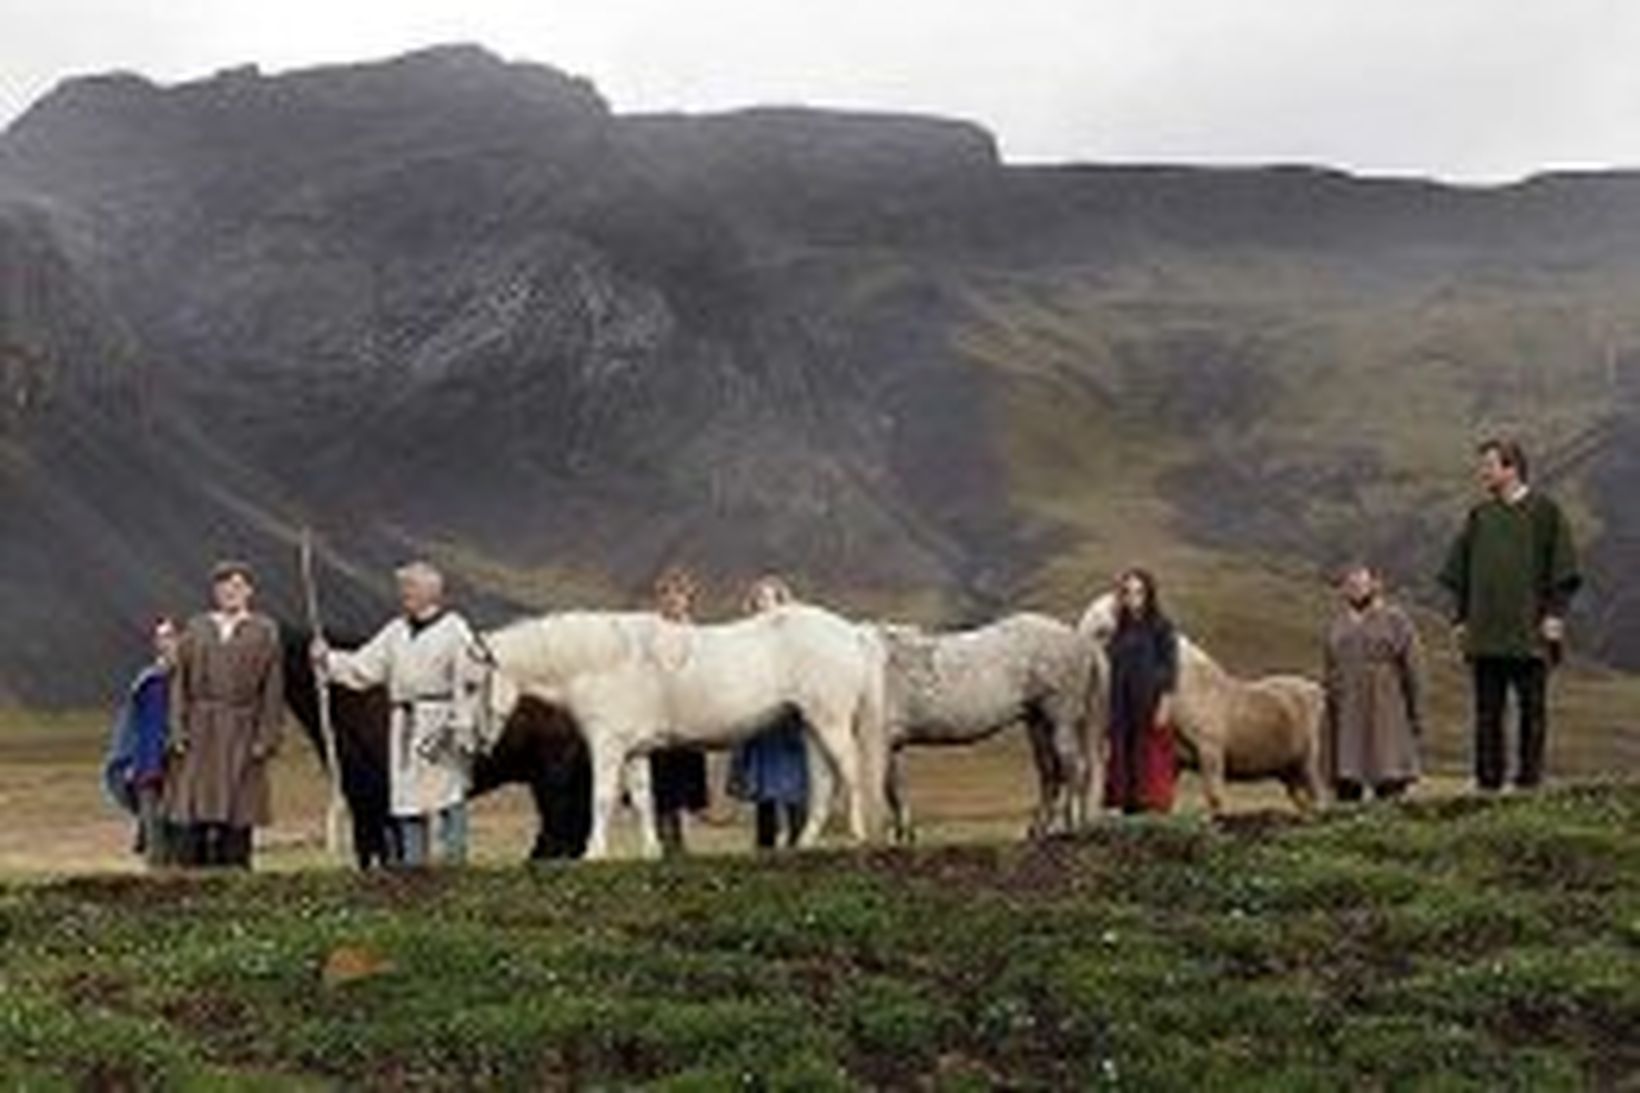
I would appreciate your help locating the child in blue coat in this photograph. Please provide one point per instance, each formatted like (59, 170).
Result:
(134, 775)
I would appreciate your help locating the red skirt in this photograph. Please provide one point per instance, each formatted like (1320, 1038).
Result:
(1144, 781)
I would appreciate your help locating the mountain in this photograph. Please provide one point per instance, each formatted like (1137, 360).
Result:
(454, 305)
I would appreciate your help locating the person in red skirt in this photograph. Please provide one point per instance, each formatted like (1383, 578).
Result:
(1143, 655)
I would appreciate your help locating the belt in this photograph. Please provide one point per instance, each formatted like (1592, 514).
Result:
(406, 703)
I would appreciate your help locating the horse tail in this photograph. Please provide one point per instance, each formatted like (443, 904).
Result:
(871, 729)
(1314, 714)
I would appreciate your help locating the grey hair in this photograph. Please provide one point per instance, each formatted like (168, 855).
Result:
(422, 572)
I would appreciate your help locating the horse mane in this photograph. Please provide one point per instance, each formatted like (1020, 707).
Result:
(516, 638)
(1202, 660)
(901, 633)
(1102, 611)
(571, 643)
(912, 633)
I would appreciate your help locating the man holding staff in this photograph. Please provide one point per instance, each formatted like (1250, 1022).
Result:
(431, 738)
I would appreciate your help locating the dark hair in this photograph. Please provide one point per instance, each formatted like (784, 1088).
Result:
(1153, 597)
(676, 578)
(232, 567)
(1510, 453)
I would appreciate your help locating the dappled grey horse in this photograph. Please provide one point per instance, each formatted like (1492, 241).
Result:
(962, 687)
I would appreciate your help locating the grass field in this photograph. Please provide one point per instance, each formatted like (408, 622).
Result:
(1445, 944)
(1450, 944)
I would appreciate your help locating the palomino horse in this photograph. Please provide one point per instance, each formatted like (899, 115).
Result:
(637, 682)
(1237, 729)
(960, 688)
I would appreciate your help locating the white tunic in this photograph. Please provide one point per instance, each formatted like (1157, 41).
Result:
(430, 741)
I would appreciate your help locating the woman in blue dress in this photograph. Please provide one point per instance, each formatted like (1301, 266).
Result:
(771, 769)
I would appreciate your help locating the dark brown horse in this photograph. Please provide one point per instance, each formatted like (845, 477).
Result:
(540, 747)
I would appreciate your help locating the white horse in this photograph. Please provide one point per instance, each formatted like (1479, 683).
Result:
(1237, 729)
(960, 688)
(637, 682)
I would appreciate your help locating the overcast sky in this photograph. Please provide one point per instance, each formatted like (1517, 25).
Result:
(1464, 89)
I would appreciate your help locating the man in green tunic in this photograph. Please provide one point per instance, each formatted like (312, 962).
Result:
(1512, 573)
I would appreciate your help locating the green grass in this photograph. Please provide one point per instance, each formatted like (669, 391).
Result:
(1451, 945)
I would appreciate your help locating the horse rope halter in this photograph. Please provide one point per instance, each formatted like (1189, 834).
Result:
(481, 653)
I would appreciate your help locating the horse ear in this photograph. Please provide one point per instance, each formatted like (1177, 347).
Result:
(479, 650)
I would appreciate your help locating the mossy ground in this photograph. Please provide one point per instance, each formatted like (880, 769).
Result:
(1449, 945)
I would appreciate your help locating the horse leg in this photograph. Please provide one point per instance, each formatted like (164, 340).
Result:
(1303, 783)
(365, 788)
(638, 790)
(606, 791)
(874, 746)
(1211, 758)
(542, 796)
(1090, 774)
(1039, 730)
(1090, 729)
(361, 752)
(561, 808)
(1298, 791)
(894, 793)
(1073, 752)
(574, 809)
(369, 836)
(836, 736)
(822, 788)
(1073, 775)
(1314, 784)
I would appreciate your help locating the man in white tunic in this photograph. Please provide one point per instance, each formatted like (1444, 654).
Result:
(431, 738)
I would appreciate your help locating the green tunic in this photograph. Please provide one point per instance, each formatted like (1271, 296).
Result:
(1511, 566)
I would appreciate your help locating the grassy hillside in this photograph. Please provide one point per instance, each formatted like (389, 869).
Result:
(1454, 945)
(1243, 428)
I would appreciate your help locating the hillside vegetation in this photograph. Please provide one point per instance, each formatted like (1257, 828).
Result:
(1463, 944)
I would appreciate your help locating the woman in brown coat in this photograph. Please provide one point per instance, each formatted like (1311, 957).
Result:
(227, 709)
(1374, 684)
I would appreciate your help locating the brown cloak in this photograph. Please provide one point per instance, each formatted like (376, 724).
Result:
(227, 712)
(1373, 682)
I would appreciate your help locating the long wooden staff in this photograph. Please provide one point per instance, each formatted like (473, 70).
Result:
(321, 683)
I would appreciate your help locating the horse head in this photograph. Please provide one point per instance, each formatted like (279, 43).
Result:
(489, 694)
(1099, 620)
(539, 658)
